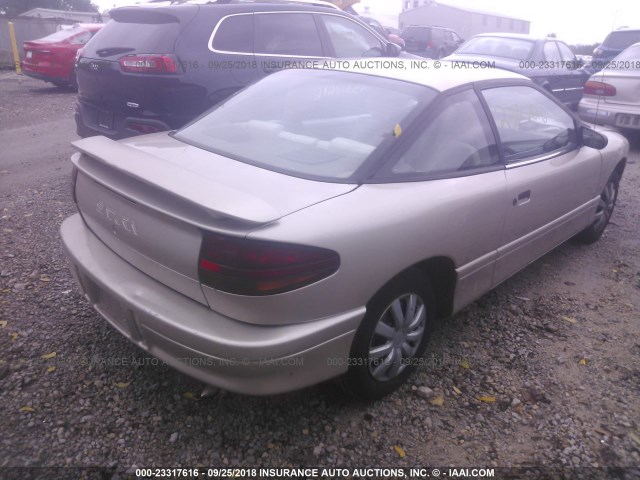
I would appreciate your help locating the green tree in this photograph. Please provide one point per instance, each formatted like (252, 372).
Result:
(16, 7)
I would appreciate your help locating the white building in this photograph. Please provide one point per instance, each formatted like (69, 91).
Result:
(72, 17)
(466, 21)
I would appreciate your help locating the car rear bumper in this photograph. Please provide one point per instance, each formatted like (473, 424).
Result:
(613, 115)
(233, 355)
(56, 77)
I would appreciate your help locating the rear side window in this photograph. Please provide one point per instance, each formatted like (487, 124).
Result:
(622, 39)
(121, 37)
(529, 123)
(456, 140)
(292, 34)
(63, 35)
(234, 34)
(81, 38)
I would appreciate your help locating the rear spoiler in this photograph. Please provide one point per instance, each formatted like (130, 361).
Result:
(216, 199)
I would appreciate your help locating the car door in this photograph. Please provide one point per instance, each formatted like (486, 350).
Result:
(549, 72)
(573, 78)
(451, 43)
(347, 38)
(552, 182)
(455, 179)
(286, 40)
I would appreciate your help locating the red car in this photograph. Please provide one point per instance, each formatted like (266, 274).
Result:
(52, 58)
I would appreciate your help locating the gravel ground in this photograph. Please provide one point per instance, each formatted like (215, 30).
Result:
(553, 353)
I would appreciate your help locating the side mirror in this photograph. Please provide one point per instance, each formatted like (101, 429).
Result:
(393, 50)
(593, 139)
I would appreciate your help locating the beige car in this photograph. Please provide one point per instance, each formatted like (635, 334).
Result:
(612, 96)
(316, 224)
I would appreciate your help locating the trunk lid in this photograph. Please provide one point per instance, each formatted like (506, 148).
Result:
(627, 84)
(148, 198)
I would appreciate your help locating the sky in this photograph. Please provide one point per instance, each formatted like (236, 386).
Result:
(574, 21)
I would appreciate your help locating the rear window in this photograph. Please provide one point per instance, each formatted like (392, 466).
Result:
(63, 35)
(514, 48)
(118, 37)
(627, 60)
(313, 124)
(622, 39)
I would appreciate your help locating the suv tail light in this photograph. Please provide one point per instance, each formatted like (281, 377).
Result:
(255, 267)
(152, 63)
(599, 88)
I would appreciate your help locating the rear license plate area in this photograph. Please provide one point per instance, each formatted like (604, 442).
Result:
(627, 121)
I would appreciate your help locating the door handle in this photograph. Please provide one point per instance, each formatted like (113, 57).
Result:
(522, 198)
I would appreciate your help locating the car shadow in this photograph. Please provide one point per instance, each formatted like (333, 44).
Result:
(52, 89)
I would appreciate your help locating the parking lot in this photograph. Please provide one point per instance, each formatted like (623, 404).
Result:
(543, 371)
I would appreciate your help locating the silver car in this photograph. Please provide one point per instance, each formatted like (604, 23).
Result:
(314, 225)
(612, 96)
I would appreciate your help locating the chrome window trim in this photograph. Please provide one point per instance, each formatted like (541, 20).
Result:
(227, 52)
(540, 158)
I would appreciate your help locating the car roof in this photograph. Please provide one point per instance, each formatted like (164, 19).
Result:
(522, 36)
(425, 72)
(243, 5)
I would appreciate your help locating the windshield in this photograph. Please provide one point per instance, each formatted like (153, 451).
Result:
(308, 123)
(514, 48)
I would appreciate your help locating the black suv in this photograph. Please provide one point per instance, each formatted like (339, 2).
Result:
(432, 42)
(154, 68)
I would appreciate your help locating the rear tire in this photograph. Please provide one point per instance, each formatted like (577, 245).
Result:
(73, 81)
(391, 337)
(606, 205)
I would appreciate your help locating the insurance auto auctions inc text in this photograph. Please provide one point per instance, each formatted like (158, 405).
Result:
(369, 473)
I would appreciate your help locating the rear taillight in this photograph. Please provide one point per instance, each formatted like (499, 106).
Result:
(599, 88)
(74, 177)
(152, 63)
(254, 267)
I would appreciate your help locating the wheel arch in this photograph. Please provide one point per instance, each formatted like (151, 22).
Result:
(619, 169)
(441, 273)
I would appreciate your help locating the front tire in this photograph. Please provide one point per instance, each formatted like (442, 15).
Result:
(606, 205)
(391, 337)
